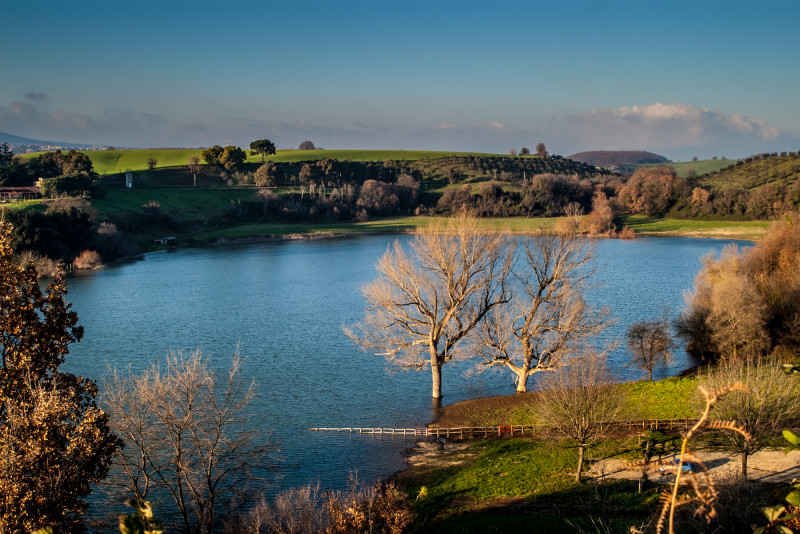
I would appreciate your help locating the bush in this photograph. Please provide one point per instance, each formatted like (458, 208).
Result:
(88, 259)
(45, 267)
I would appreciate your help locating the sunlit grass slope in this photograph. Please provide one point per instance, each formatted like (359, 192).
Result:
(117, 161)
(696, 228)
(699, 167)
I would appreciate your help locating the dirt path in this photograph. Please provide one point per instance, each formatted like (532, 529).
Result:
(770, 466)
(764, 466)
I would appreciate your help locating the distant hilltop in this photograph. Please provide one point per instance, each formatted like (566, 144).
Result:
(24, 145)
(617, 158)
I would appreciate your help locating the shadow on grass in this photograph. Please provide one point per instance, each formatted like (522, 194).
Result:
(615, 505)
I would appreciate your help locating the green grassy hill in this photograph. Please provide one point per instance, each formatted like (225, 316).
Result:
(684, 168)
(118, 161)
(365, 155)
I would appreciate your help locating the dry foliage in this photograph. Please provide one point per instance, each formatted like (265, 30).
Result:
(580, 401)
(773, 399)
(55, 442)
(548, 318)
(186, 436)
(650, 342)
(423, 305)
(381, 508)
(88, 259)
(702, 493)
(746, 304)
(600, 221)
(44, 266)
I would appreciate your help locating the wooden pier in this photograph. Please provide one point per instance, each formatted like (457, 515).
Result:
(458, 432)
(501, 430)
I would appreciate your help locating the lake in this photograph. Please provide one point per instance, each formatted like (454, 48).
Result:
(284, 303)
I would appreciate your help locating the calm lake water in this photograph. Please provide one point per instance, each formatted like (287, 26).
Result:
(284, 303)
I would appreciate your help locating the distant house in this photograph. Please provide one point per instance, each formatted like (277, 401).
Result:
(169, 241)
(8, 194)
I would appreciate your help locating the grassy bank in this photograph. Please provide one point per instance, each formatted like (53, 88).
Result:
(510, 485)
(748, 230)
(527, 484)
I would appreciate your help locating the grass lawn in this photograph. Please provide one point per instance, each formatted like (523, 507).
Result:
(21, 204)
(748, 230)
(116, 161)
(669, 398)
(365, 155)
(182, 202)
(510, 485)
(699, 167)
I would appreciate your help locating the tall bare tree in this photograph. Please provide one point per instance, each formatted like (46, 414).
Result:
(548, 317)
(423, 305)
(650, 342)
(580, 401)
(774, 397)
(186, 435)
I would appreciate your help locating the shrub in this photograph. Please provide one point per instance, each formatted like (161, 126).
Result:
(88, 259)
(45, 267)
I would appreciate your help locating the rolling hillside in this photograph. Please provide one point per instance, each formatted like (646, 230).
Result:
(753, 172)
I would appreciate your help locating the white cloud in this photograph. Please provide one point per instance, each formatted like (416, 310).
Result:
(666, 127)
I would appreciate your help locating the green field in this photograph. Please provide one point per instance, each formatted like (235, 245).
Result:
(366, 155)
(184, 203)
(748, 230)
(117, 161)
(699, 167)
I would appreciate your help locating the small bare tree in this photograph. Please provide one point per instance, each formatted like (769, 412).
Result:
(151, 163)
(423, 305)
(651, 343)
(580, 401)
(185, 435)
(774, 398)
(548, 317)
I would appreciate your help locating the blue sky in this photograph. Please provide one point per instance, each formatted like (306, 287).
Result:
(682, 79)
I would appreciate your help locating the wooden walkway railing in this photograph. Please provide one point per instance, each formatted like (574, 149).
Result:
(500, 430)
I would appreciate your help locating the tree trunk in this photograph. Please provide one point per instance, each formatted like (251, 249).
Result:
(744, 465)
(522, 379)
(581, 448)
(436, 375)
